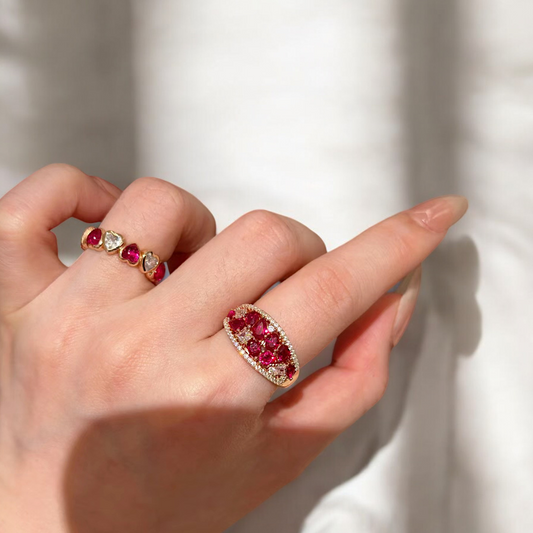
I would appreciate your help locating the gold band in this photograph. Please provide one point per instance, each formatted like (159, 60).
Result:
(114, 243)
(261, 341)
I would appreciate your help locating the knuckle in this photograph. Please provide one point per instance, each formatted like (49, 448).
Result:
(12, 220)
(273, 230)
(333, 289)
(402, 233)
(14, 206)
(377, 386)
(60, 168)
(156, 191)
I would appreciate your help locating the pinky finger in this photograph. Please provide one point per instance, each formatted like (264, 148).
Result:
(317, 410)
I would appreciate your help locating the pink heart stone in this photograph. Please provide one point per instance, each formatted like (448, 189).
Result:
(231, 313)
(131, 253)
(94, 237)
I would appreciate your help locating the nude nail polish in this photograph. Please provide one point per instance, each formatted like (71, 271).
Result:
(409, 289)
(439, 213)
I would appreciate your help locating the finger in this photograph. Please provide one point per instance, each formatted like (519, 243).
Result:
(323, 298)
(333, 398)
(156, 216)
(29, 260)
(237, 266)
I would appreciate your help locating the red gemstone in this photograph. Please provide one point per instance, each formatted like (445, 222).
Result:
(272, 340)
(290, 371)
(159, 273)
(231, 314)
(259, 329)
(94, 237)
(252, 317)
(266, 358)
(284, 354)
(131, 253)
(254, 348)
(236, 324)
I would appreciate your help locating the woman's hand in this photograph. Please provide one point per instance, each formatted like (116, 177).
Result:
(125, 407)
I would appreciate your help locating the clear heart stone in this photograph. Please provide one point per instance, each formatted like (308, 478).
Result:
(150, 261)
(112, 241)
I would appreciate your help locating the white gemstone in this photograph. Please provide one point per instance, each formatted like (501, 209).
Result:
(271, 328)
(276, 370)
(245, 336)
(112, 241)
(150, 261)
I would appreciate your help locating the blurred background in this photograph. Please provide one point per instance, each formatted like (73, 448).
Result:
(337, 114)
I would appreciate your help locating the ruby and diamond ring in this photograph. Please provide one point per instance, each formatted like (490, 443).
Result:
(261, 341)
(113, 243)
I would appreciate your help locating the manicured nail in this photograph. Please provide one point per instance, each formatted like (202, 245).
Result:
(409, 288)
(438, 214)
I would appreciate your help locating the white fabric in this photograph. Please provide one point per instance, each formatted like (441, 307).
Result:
(338, 114)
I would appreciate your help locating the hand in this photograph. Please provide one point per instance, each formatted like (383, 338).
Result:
(125, 407)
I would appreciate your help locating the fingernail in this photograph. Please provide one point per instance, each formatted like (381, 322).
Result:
(409, 288)
(438, 214)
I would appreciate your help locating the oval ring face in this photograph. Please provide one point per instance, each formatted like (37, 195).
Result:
(261, 341)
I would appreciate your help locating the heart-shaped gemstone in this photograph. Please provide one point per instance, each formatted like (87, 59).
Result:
(150, 261)
(93, 239)
(131, 254)
(158, 274)
(112, 241)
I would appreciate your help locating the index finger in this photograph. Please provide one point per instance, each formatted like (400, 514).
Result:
(319, 301)
(323, 298)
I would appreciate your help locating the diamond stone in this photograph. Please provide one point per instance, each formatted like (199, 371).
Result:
(150, 261)
(112, 241)
(245, 336)
(277, 370)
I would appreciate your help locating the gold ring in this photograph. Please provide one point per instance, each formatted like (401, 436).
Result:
(114, 243)
(261, 341)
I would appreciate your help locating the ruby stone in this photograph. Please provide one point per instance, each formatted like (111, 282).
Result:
(237, 324)
(94, 237)
(284, 354)
(231, 314)
(159, 273)
(260, 329)
(131, 253)
(254, 348)
(266, 358)
(272, 340)
(252, 317)
(290, 371)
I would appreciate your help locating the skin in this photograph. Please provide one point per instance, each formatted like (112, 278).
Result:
(125, 407)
